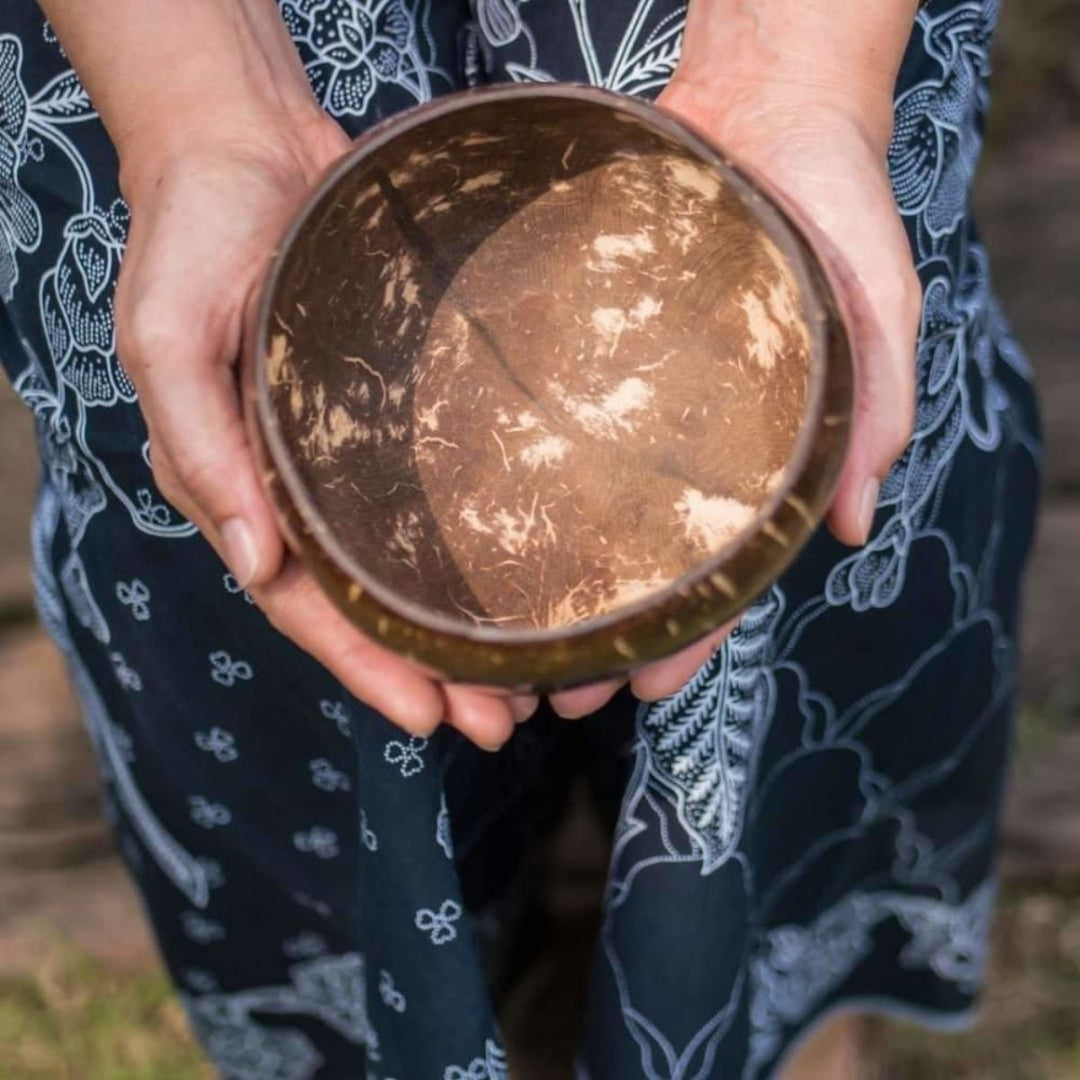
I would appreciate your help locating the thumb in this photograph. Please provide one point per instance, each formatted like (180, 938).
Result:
(851, 220)
(865, 257)
(882, 314)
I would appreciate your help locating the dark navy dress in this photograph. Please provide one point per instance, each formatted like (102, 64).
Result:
(808, 825)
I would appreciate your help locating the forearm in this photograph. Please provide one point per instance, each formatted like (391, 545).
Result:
(158, 70)
(831, 53)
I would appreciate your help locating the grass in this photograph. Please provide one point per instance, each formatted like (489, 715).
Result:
(1036, 81)
(77, 1020)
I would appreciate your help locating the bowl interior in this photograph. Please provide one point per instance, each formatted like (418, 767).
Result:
(534, 358)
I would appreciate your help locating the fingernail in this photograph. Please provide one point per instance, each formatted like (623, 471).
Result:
(240, 551)
(523, 708)
(422, 730)
(867, 506)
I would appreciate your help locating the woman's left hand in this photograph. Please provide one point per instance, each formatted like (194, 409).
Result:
(825, 159)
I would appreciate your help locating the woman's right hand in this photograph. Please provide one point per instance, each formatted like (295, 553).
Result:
(207, 212)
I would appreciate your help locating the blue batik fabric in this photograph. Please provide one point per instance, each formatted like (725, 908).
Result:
(808, 825)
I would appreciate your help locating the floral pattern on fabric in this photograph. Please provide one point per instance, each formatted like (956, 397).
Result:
(809, 823)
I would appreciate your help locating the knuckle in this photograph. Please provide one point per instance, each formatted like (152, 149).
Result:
(283, 603)
(196, 473)
(146, 330)
(165, 479)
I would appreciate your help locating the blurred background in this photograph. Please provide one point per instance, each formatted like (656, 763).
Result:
(82, 996)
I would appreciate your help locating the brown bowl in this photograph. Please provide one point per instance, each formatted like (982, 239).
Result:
(544, 386)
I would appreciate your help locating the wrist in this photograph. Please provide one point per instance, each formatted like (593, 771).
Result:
(172, 80)
(297, 144)
(783, 59)
(751, 114)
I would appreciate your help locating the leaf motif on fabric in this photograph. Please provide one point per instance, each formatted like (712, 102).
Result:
(654, 68)
(522, 73)
(700, 744)
(63, 99)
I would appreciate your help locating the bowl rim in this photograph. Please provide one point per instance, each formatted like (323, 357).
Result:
(791, 239)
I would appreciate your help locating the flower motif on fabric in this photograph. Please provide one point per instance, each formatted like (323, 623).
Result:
(351, 47)
(950, 940)
(126, 676)
(212, 872)
(124, 746)
(406, 755)
(219, 742)
(207, 814)
(389, 994)
(20, 219)
(492, 1066)
(318, 841)
(226, 671)
(327, 778)
(320, 907)
(936, 141)
(335, 710)
(327, 989)
(149, 511)
(796, 966)
(367, 834)
(443, 836)
(246, 1049)
(233, 586)
(77, 307)
(439, 925)
(201, 930)
(304, 946)
(960, 397)
(202, 982)
(135, 595)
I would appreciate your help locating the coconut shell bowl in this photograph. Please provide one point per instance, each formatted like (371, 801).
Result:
(545, 388)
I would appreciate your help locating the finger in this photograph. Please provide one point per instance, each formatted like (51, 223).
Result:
(583, 700)
(866, 257)
(881, 427)
(667, 677)
(523, 706)
(883, 314)
(483, 718)
(298, 608)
